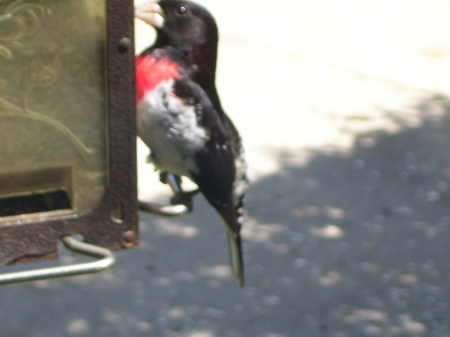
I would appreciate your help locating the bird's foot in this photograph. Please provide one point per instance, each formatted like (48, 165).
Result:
(184, 198)
(180, 203)
(170, 179)
(175, 208)
(163, 210)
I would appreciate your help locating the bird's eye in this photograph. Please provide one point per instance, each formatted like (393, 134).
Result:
(181, 9)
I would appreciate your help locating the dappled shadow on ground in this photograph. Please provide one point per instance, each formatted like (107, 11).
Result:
(361, 237)
(350, 243)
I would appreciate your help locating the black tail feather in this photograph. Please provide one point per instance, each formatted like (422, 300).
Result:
(236, 260)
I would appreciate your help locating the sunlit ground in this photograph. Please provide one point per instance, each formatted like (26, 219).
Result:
(344, 108)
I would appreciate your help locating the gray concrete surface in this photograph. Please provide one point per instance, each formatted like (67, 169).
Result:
(345, 110)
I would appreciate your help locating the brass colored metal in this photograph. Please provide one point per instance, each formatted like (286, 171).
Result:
(67, 126)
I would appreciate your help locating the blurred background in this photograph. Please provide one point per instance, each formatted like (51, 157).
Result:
(344, 107)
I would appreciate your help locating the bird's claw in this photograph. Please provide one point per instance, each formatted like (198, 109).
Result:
(180, 203)
(163, 210)
(184, 198)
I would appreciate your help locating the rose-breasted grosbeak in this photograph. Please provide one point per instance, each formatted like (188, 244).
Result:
(180, 117)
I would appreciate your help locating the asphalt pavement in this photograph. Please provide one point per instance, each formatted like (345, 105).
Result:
(344, 107)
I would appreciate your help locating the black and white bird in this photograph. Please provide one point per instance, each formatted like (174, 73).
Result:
(180, 117)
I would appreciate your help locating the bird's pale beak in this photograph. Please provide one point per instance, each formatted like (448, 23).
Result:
(151, 13)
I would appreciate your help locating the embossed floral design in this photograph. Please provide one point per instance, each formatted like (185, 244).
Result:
(18, 20)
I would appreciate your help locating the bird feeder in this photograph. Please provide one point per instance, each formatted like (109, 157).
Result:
(67, 127)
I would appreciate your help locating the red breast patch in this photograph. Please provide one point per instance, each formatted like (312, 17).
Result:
(151, 71)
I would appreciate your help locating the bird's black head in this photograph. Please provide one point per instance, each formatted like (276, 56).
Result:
(184, 25)
(187, 25)
(189, 32)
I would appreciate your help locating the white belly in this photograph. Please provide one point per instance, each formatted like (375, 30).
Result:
(169, 128)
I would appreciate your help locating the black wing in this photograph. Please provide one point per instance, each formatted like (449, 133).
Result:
(216, 161)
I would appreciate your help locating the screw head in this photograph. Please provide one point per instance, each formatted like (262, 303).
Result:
(124, 45)
(130, 239)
